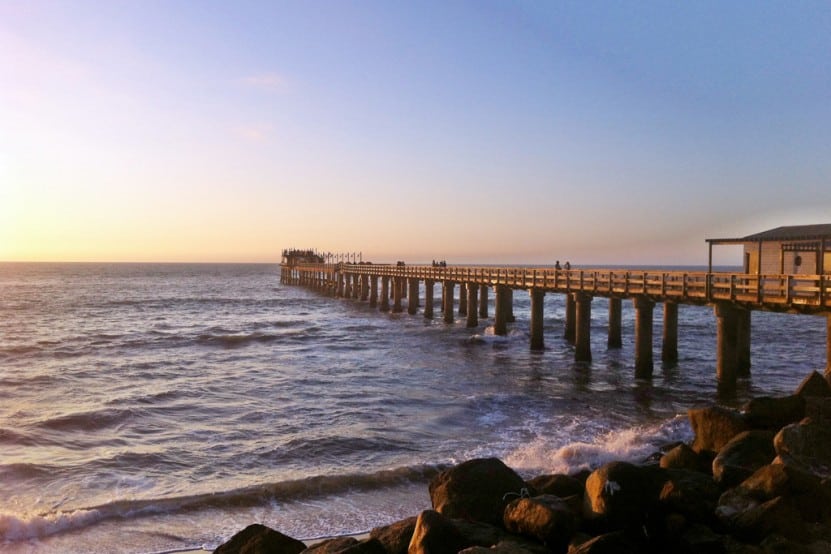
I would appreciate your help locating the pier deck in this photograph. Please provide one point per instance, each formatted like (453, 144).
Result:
(733, 296)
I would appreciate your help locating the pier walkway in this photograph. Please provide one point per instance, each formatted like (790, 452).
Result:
(733, 296)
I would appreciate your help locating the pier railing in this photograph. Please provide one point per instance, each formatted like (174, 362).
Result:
(804, 293)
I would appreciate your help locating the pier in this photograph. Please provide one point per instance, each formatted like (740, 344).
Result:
(733, 296)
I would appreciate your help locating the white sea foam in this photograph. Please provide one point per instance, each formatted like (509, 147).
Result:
(633, 444)
(15, 528)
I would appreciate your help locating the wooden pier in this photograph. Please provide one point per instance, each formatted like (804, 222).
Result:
(733, 297)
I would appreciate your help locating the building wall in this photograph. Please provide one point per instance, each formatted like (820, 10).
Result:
(771, 260)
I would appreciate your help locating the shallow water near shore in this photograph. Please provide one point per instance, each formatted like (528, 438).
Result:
(159, 407)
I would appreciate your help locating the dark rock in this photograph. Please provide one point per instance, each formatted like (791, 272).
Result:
(743, 455)
(477, 490)
(477, 533)
(779, 479)
(395, 537)
(435, 534)
(814, 385)
(806, 445)
(619, 495)
(332, 546)
(700, 539)
(581, 475)
(818, 409)
(684, 457)
(777, 544)
(779, 516)
(259, 539)
(546, 518)
(690, 493)
(714, 426)
(768, 412)
(558, 485)
(610, 543)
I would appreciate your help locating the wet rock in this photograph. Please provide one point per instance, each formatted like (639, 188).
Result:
(700, 539)
(769, 412)
(435, 534)
(777, 544)
(558, 485)
(347, 545)
(777, 516)
(691, 494)
(610, 543)
(818, 409)
(476, 490)
(332, 546)
(619, 495)
(805, 445)
(814, 385)
(714, 426)
(395, 537)
(259, 539)
(684, 457)
(547, 518)
(743, 455)
(476, 533)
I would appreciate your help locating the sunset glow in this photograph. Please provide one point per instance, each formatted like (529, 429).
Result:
(473, 132)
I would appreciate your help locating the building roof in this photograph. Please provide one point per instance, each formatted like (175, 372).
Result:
(788, 233)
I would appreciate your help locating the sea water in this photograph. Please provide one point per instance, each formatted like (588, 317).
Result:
(158, 407)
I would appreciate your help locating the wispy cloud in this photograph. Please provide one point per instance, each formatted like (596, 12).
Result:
(257, 133)
(268, 82)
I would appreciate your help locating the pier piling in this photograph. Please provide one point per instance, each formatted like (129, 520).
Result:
(583, 327)
(615, 340)
(644, 308)
(537, 302)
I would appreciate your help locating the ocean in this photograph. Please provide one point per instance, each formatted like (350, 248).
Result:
(148, 408)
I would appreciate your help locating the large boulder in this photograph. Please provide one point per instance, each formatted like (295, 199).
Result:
(778, 516)
(395, 537)
(477, 490)
(691, 494)
(547, 518)
(616, 542)
(744, 454)
(620, 495)
(259, 539)
(769, 412)
(557, 484)
(684, 457)
(334, 545)
(814, 385)
(435, 534)
(714, 426)
(806, 445)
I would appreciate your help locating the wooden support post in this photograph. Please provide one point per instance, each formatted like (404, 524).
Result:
(412, 297)
(510, 306)
(828, 348)
(537, 318)
(341, 286)
(428, 298)
(500, 316)
(472, 313)
(356, 286)
(448, 301)
(571, 315)
(726, 343)
(385, 294)
(615, 340)
(583, 327)
(743, 342)
(644, 308)
(347, 291)
(397, 293)
(462, 299)
(483, 301)
(373, 291)
(669, 347)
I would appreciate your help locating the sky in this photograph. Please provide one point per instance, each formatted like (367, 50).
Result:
(475, 132)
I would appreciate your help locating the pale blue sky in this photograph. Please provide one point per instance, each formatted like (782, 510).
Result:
(600, 132)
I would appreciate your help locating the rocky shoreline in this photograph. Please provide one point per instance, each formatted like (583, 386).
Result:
(756, 480)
